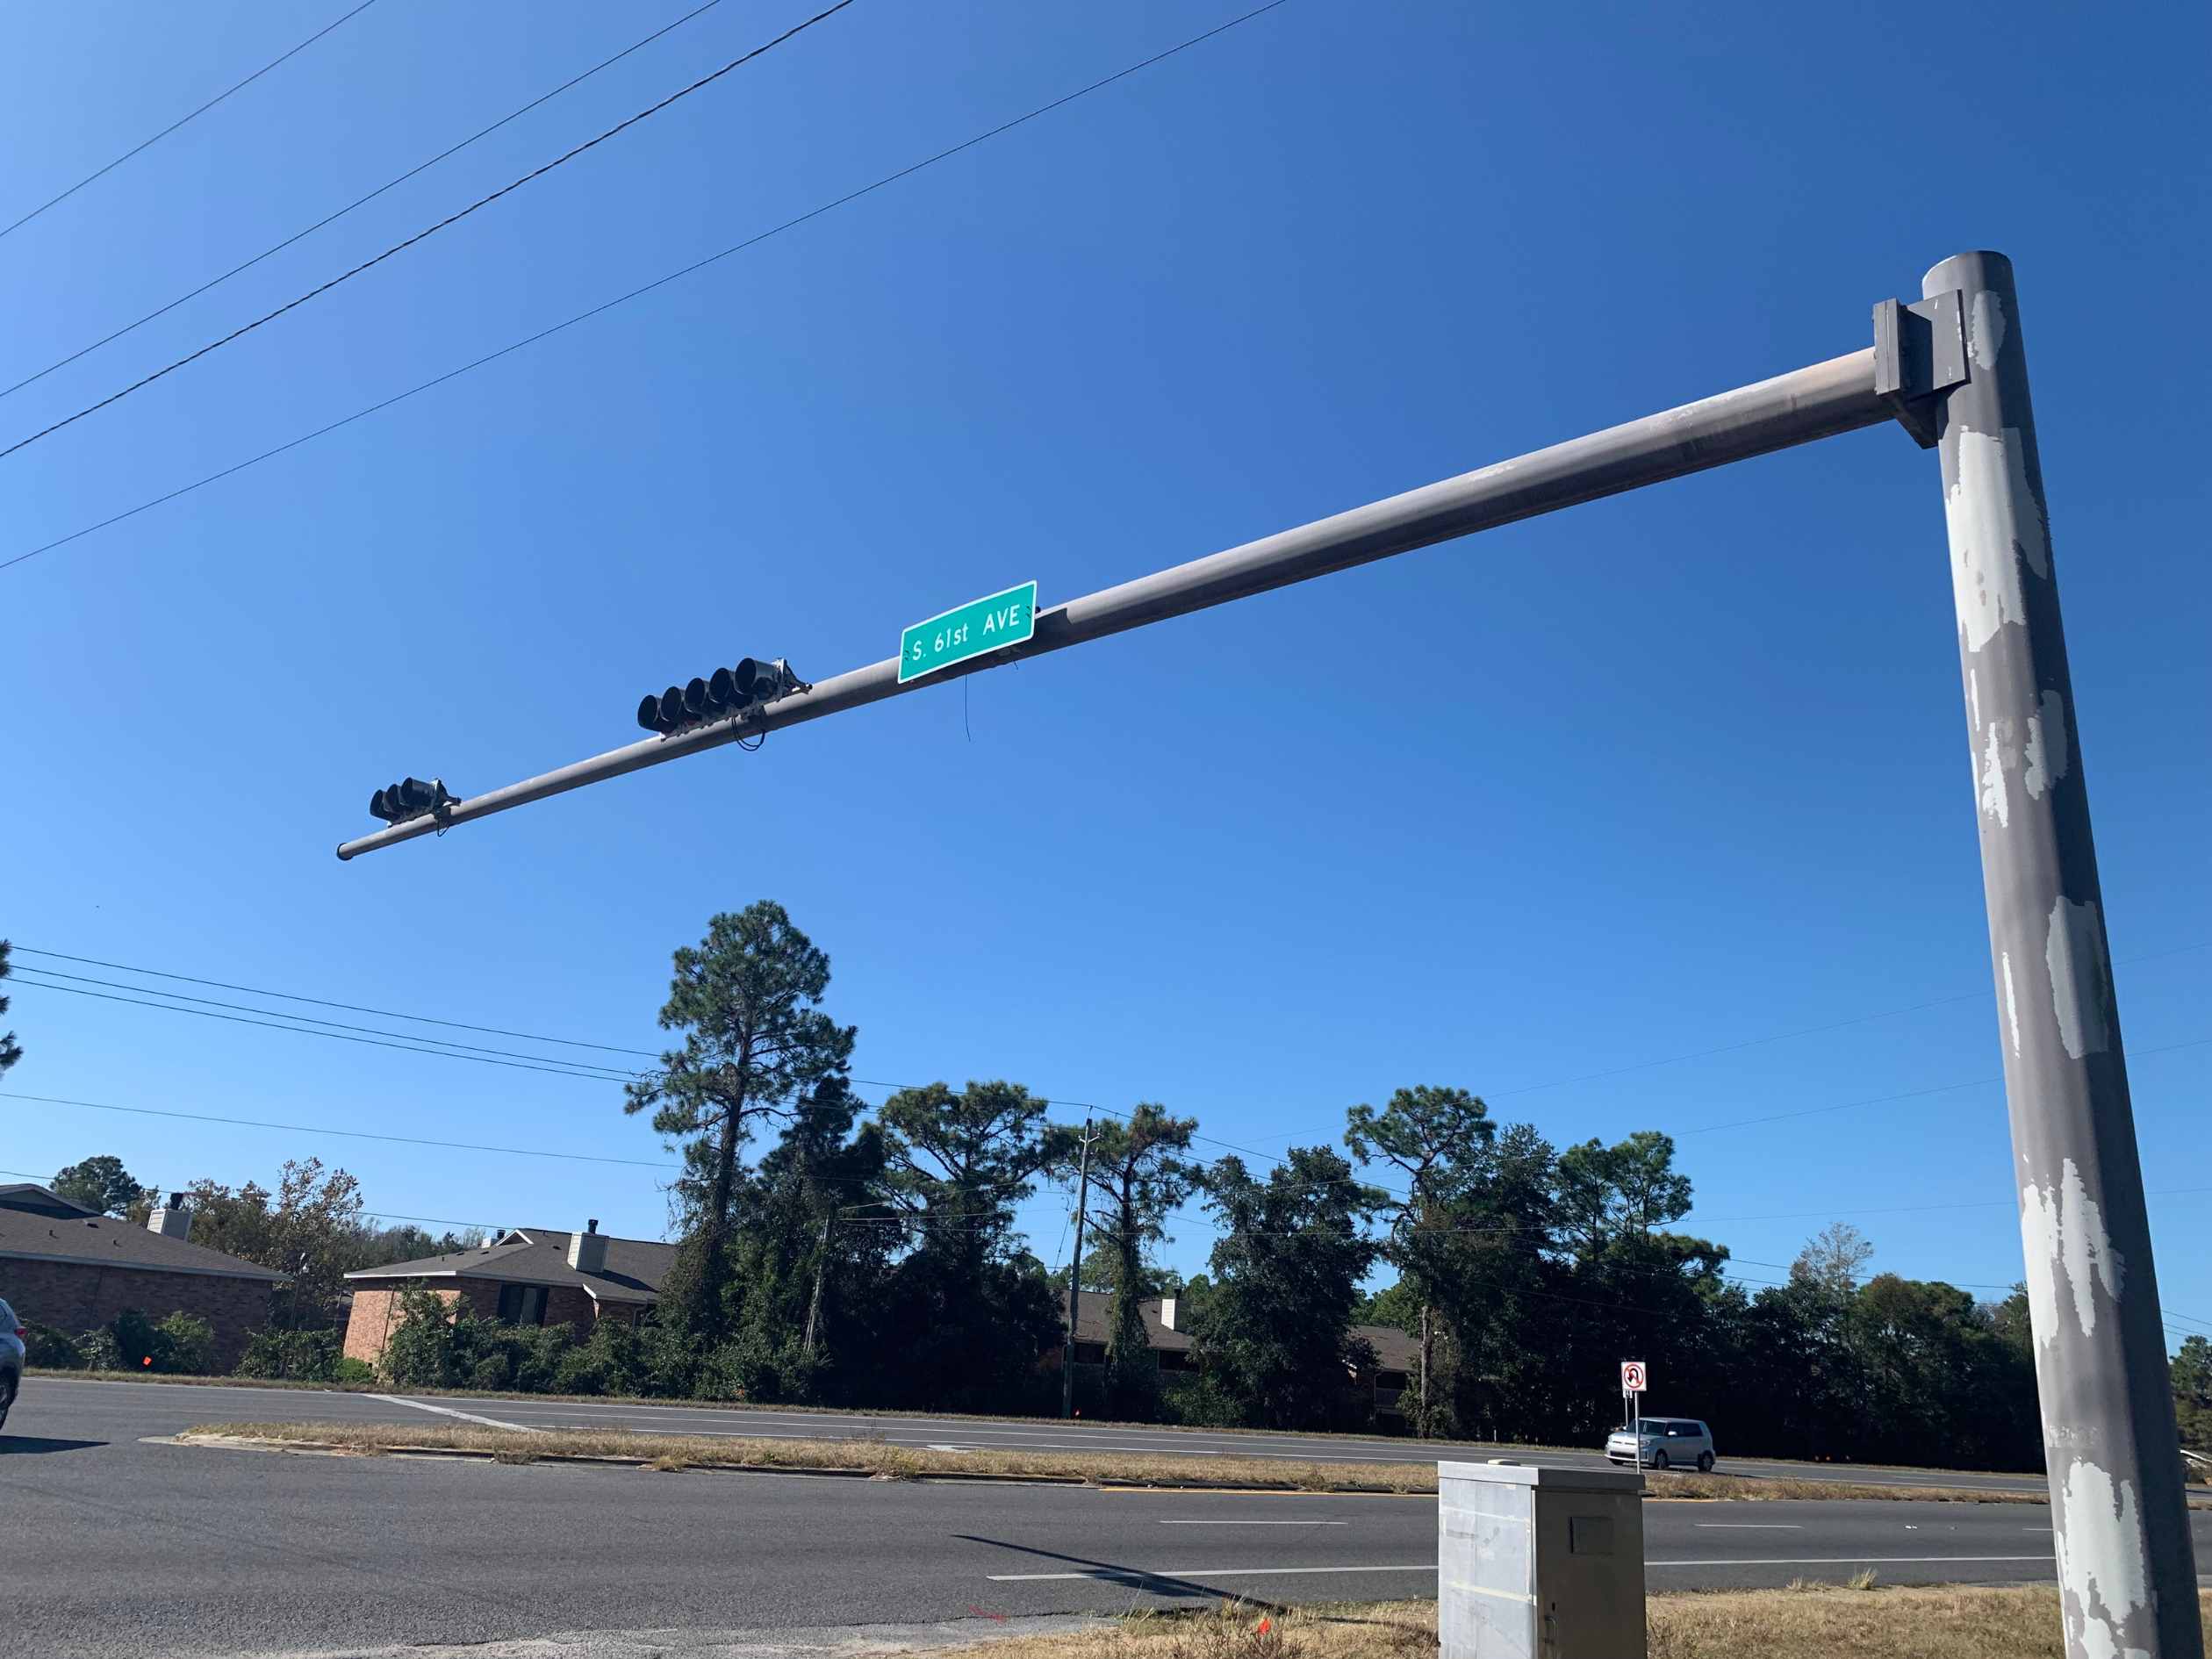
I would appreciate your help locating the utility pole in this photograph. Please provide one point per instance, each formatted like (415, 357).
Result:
(1950, 369)
(1076, 1279)
(1424, 1370)
(813, 1302)
(2118, 1510)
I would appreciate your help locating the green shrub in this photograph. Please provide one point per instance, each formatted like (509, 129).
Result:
(297, 1356)
(583, 1370)
(139, 1344)
(98, 1350)
(349, 1369)
(1191, 1398)
(419, 1351)
(490, 1372)
(431, 1345)
(44, 1345)
(185, 1345)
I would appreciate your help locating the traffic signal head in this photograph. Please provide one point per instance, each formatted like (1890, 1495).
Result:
(409, 797)
(727, 691)
(764, 682)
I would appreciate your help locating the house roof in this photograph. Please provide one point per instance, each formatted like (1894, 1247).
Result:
(539, 1255)
(1394, 1349)
(40, 1201)
(29, 1232)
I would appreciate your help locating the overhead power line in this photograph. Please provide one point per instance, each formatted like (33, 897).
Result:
(611, 1048)
(1911, 1094)
(275, 1025)
(348, 1134)
(307, 1021)
(368, 1215)
(351, 1008)
(1804, 1031)
(361, 201)
(425, 232)
(407, 1043)
(636, 293)
(194, 116)
(317, 1001)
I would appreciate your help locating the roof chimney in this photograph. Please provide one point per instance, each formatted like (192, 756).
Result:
(587, 1250)
(1166, 1313)
(171, 1220)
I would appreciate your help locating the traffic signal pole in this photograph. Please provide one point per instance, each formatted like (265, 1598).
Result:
(2118, 1510)
(1829, 397)
(1951, 369)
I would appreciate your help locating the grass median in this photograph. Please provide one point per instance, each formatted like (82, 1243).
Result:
(872, 1457)
(881, 1458)
(1944, 1622)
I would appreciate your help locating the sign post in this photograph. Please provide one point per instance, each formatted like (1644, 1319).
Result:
(1632, 1384)
(968, 630)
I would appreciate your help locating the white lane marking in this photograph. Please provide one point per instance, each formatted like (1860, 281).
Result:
(1253, 1523)
(1750, 1526)
(1840, 1560)
(447, 1411)
(1118, 1575)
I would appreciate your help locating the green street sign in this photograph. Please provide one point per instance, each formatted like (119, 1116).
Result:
(968, 630)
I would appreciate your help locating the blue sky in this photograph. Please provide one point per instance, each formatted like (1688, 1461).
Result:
(1662, 774)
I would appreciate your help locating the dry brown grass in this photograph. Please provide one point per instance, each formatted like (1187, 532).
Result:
(872, 1457)
(1943, 1622)
(1661, 1483)
(1368, 1630)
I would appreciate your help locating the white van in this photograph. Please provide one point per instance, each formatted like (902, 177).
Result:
(1663, 1443)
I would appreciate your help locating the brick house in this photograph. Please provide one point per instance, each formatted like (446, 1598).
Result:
(530, 1275)
(76, 1269)
(1397, 1355)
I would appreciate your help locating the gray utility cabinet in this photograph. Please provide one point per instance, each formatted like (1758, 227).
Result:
(1540, 1564)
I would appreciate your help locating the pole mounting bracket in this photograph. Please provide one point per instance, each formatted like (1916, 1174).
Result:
(1919, 350)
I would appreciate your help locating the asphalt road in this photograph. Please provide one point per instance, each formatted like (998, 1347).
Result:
(110, 1545)
(175, 1406)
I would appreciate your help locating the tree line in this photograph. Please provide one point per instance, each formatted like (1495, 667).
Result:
(829, 1252)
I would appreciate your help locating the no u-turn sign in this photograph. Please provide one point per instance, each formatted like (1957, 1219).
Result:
(1632, 1376)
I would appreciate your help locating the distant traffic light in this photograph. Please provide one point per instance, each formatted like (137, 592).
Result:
(409, 797)
(727, 691)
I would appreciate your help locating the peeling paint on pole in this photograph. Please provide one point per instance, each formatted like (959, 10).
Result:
(2126, 1572)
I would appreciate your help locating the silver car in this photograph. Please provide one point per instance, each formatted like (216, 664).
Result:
(1661, 1442)
(11, 1335)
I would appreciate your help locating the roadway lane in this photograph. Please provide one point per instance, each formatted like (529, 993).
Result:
(162, 1408)
(112, 1546)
